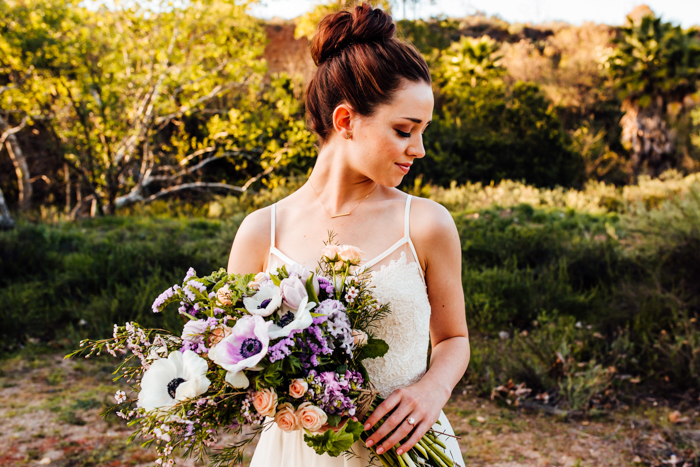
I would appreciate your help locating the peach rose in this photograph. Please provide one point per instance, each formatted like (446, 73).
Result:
(285, 418)
(298, 388)
(330, 251)
(351, 254)
(224, 295)
(265, 402)
(258, 280)
(218, 334)
(359, 337)
(311, 417)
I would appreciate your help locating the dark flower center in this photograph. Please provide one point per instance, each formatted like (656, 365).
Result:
(172, 386)
(251, 347)
(286, 319)
(264, 303)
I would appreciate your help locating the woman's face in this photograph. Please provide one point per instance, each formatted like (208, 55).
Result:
(385, 145)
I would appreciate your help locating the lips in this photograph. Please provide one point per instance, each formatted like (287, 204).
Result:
(404, 167)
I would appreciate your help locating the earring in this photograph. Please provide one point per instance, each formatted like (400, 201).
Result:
(348, 135)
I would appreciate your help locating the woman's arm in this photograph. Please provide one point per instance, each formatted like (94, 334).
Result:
(440, 254)
(251, 245)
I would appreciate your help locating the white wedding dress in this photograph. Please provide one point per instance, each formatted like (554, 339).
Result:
(405, 329)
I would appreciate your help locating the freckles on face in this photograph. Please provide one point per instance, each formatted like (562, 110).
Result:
(392, 137)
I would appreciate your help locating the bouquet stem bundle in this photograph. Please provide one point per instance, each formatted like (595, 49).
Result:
(429, 451)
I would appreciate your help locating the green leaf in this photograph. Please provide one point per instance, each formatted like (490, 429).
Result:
(335, 443)
(373, 349)
(310, 289)
(334, 420)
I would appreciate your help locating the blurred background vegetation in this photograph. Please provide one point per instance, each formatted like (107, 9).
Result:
(134, 141)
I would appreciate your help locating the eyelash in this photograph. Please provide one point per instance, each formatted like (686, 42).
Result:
(403, 134)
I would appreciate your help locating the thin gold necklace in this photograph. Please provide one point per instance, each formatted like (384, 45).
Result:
(342, 213)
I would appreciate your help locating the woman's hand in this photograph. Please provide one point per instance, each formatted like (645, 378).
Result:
(420, 401)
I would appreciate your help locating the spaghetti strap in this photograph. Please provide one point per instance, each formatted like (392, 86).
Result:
(406, 216)
(407, 234)
(405, 239)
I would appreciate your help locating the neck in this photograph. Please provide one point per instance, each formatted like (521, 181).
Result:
(338, 185)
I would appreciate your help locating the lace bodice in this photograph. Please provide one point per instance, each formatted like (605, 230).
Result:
(400, 283)
(405, 329)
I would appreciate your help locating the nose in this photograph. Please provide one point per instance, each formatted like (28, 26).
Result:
(416, 148)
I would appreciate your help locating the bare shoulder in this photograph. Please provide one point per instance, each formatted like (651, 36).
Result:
(430, 221)
(433, 230)
(252, 243)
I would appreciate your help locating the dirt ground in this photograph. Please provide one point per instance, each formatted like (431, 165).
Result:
(50, 415)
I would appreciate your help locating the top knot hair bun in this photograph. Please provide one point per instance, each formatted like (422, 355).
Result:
(345, 28)
(360, 63)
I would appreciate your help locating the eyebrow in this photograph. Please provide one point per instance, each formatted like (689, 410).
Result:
(415, 120)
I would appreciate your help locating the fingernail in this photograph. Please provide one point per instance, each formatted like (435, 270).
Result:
(369, 443)
(380, 450)
(399, 451)
(366, 426)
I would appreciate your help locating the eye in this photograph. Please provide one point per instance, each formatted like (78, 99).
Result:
(403, 134)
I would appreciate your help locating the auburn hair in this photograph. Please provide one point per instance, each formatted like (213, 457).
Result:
(359, 62)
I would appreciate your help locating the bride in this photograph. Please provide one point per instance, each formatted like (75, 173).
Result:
(369, 102)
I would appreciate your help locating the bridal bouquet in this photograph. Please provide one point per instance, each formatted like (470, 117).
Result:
(284, 348)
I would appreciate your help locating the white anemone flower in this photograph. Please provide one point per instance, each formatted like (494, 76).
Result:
(179, 377)
(265, 302)
(302, 320)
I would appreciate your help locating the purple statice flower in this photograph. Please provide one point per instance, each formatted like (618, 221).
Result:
(212, 323)
(189, 294)
(281, 349)
(190, 272)
(326, 285)
(218, 311)
(197, 285)
(163, 297)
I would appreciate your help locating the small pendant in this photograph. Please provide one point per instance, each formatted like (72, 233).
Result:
(340, 215)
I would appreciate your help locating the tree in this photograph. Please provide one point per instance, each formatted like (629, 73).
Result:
(143, 102)
(485, 131)
(9, 140)
(656, 65)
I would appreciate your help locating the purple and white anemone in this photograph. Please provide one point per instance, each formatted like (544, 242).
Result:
(242, 349)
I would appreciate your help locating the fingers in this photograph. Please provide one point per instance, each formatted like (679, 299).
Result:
(399, 433)
(381, 410)
(418, 433)
(394, 422)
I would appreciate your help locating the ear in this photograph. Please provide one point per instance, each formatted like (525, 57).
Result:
(343, 117)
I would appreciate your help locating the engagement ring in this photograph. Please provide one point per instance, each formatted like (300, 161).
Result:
(411, 421)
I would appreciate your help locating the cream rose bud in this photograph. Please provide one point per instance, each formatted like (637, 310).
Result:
(224, 295)
(330, 251)
(311, 417)
(298, 388)
(293, 292)
(265, 402)
(286, 418)
(351, 254)
(359, 337)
